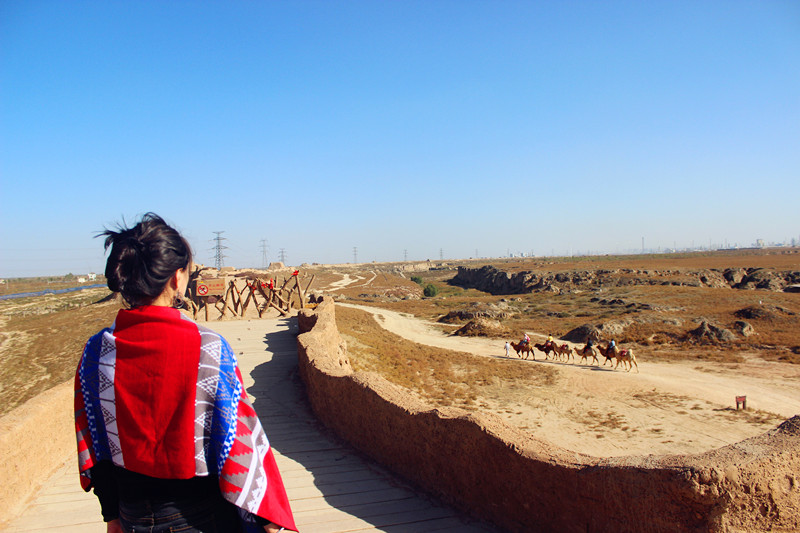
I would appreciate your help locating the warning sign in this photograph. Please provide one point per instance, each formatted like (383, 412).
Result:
(211, 287)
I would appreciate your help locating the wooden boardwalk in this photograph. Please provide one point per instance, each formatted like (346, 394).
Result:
(331, 487)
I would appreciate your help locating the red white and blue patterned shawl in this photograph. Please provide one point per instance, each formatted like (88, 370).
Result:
(160, 395)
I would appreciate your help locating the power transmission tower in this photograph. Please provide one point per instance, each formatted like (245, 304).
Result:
(283, 255)
(264, 249)
(355, 254)
(405, 255)
(441, 254)
(218, 247)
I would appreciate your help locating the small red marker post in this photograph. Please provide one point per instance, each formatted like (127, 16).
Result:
(741, 400)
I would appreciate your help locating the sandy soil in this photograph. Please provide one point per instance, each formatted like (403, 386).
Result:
(667, 408)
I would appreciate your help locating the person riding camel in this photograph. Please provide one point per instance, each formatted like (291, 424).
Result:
(589, 345)
(525, 340)
(549, 341)
(612, 346)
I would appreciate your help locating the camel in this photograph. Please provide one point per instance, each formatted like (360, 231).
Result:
(523, 348)
(546, 348)
(609, 352)
(584, 356)
(626, 356)
(563, 351)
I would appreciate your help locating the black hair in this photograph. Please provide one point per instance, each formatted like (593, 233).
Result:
(144, 258)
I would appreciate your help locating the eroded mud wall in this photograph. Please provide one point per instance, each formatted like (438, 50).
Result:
(35, 440)
(496, 472)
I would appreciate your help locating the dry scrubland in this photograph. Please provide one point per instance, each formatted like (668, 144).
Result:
(660, 332)
(671, 408)
(42, 338)
(682, 402)
(437, 375)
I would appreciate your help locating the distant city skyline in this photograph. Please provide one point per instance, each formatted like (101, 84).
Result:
(327, 131)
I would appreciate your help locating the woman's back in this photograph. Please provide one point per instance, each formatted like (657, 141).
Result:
(159, 400)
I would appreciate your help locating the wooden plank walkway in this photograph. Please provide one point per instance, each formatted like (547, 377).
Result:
(332, 488)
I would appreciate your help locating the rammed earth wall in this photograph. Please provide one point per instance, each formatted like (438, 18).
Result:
(35, 440)
(496, 472)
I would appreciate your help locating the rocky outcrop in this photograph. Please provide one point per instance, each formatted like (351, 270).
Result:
(497, 472)
(494, 281)
(708, 333)
(766, 312)
(483, 327)
(745, 329)
(583, 333)
(490, 279)
(477, 310)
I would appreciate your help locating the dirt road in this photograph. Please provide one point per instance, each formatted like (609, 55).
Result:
(668, 408)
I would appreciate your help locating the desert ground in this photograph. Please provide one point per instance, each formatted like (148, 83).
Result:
(673, 405)
(667, 408)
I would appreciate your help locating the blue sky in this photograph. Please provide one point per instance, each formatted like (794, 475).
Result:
(413, 129)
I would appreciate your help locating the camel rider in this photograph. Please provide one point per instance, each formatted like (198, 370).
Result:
(612, 345)
(589, 345)
(549, 340)
(525, 340)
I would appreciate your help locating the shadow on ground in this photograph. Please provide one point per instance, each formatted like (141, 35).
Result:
(348, 480)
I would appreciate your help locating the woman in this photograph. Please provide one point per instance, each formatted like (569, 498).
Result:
(166, 435)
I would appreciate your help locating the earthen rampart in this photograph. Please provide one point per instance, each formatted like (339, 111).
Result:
(497, 472)
(35, 440)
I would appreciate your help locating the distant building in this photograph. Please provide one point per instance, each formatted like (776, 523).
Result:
(92, 276)
(81, 280)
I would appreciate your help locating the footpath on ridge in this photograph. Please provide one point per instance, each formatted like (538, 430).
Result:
(331, 487)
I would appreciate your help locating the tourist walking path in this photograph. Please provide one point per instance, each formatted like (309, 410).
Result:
(331, 487)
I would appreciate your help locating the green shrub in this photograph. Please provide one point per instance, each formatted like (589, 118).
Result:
(430, 290)
(416, 279)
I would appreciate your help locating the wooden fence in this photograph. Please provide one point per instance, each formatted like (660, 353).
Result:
(230, 297)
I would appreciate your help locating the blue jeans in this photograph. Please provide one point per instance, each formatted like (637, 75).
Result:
(212, 515)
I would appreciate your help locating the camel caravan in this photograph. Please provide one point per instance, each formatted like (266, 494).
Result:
(564, 353)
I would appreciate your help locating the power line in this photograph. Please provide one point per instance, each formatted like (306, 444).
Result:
(218, 247)
(264, 249)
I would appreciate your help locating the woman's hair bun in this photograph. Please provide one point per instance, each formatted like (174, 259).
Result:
(143, 258)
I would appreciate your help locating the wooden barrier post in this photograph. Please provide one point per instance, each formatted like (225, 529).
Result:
(237, 299)
(299, 292)
(309, 283)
